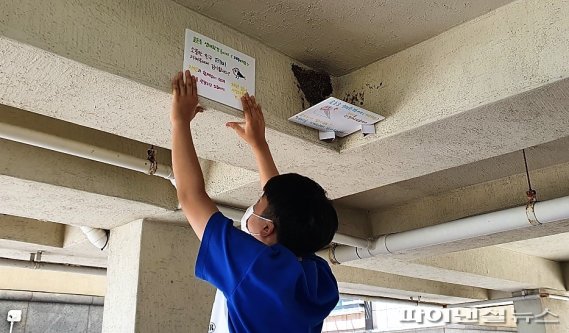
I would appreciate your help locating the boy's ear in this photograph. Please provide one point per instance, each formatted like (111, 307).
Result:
(268, 229)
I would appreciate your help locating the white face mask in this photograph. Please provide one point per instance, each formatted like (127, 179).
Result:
(246, 216)
(248, 213)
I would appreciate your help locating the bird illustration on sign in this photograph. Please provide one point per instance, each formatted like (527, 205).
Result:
(237, 73)
(326, 109)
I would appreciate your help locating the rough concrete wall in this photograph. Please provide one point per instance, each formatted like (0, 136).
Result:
(167, 282)
(515, 48)
(151, 282)
(559, 308)
(52, 317)
(353, 222)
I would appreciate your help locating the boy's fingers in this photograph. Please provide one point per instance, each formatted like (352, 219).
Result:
(246, 109)
(254, 103)
(250, 102)
(249, 105)
(237, 126)
(175, 87)
(181, 84)
(189, 83)
(195, 86)
(256, 106)
(260, 112)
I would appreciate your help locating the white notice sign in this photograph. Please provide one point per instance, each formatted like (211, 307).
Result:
(224, 74)
(334, 115)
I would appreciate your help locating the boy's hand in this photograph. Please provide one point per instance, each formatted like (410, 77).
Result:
(185, 101)
(253, 129)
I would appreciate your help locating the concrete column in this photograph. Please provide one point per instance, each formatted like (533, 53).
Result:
(150, 280)
(542, 315)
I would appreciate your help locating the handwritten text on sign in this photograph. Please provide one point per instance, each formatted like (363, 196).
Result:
(334, 115)
(223, 73)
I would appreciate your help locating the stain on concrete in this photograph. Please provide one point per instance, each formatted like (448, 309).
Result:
(354, 98)
(374, 86)
(315, 85)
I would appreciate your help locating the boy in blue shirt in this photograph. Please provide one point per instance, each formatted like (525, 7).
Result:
(271, 278)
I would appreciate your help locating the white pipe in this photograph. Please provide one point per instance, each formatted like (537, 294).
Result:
(97, 237)
(462, 229)
(13, 263)
(351, 241)
(66, 146)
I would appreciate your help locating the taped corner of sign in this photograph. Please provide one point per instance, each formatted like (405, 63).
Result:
(368, 129)
(326, 135)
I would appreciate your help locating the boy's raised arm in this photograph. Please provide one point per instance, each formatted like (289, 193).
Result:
(196, 204)
(253, 132)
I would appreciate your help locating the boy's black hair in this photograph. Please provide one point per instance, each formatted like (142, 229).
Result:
(305, 219)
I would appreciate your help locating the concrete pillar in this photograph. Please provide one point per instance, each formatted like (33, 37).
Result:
(150, 280)
(542, 315)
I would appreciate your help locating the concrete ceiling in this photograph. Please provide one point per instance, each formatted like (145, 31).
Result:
(552, 247)
(541, 156)
(340, 36)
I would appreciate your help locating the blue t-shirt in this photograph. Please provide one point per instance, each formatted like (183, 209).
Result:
(268, 289)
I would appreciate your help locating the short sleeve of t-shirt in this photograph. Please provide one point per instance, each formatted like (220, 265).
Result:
(226, 254)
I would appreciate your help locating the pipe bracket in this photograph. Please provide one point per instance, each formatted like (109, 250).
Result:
(332, 254)
(385, 243)
(530, 213)
(151, 157)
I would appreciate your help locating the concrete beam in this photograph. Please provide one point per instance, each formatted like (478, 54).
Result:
(219, 178)
(41, 184)
(52, 282)
(353, 222)
(431, 93)
(373, 283)
(20, 229)
(489, 268)
(222, 178)
(497, 263)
